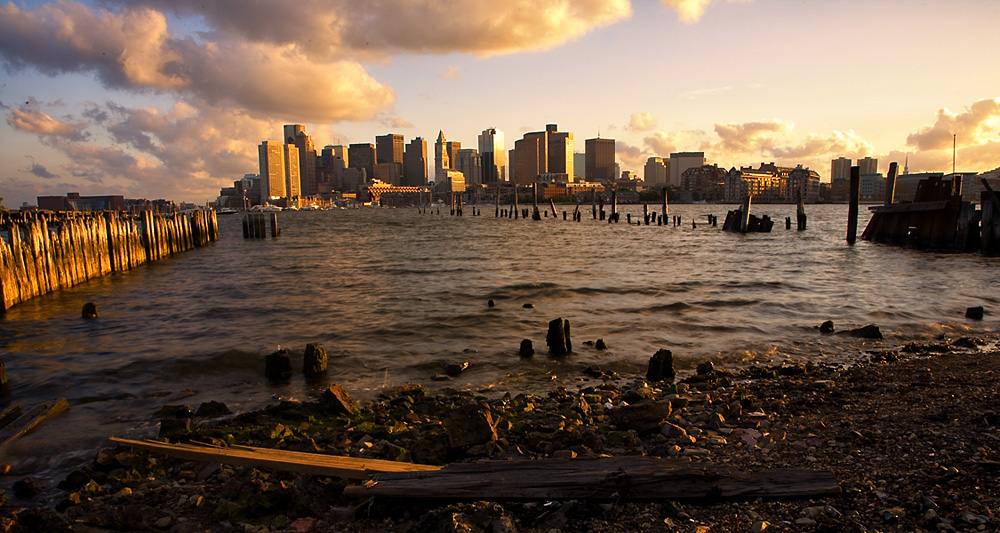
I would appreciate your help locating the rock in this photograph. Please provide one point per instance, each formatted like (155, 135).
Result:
(313, 360)
(759, 526)
(175, 411)
(172, 427)
(89, 310)
(27, 488)
(335, 400)
(827, 327)
(601, 345)
(558, 338)
(871, 331)
(528, 306)
(213, 409)
(491, 303)
(470, 425)
(278, 365)
(672, 431)
(975, 313)
(163, 523)
(706, 368)
(455, 369)
(661, 366)
(644, 417)
(526, 349)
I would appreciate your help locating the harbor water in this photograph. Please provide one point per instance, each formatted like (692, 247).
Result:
(395, 295)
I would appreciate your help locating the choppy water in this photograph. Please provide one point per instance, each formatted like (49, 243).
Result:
(394, 296)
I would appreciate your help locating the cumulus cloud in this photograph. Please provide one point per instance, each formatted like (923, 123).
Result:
(451, 73)
(690, 11)
(325, 28)
(134, 50)
(46, 127)
(396, 122)
(976, 125)
(642, 121)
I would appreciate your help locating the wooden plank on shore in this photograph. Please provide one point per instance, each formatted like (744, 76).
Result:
(30, 420)
(305, 463)
(609, 478)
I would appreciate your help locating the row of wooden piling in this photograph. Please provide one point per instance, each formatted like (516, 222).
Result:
(41, 252)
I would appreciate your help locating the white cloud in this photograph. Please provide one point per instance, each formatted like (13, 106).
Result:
(642, 121)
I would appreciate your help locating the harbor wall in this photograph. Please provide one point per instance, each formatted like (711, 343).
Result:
(41, 252)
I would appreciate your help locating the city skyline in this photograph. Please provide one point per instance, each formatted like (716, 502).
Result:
(156, 99)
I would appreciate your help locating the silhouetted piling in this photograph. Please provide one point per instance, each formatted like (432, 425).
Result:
(852, 211)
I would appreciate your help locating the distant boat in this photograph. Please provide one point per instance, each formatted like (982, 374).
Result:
(267, 208)
(226, 211)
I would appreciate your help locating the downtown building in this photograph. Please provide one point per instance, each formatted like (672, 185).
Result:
(389, 158)
(492, 156)
(415, 163)
(279, 171)
(600, 160)
(544, 156)
(295, 135)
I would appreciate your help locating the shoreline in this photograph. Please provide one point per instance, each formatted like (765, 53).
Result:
(910, 436)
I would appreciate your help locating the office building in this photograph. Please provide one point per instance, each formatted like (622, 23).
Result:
(295, 135)
(467, 162)
(492, 156)
(681, 161)
(655, 173)
(868, 165)
(548, 153)
(271, 156)
(362, 156)
(600, 154)
(415, 163)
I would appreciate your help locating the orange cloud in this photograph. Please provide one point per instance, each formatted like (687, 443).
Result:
(690, 11)
(977, 125)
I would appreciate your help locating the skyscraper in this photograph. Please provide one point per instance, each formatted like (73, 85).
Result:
(445, 152)
(600, 155)
(492, 155)
(868, 165)
(389, 148)
(467, 162)
(295, 135)
(293, 176)
(362, 156)
(655, 172)
(544, 152)
(560, 151)
(271, 156)
(415, 163)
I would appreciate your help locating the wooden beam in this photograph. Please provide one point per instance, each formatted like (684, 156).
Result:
(610, 478)
(30, 420)
(283, 460)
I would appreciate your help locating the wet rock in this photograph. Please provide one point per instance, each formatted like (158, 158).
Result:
(470, 425)
(213, 409)
(528, 306)
(491, 303)
(706, 368)
(893, 515)
(28, 488)
(601, 345)
(975, 313)
(827, 327)
(558, 338)
(314, 360)
(643, 417)
(526, 349)
(661, 366)
(455, 369)
(174, 427)
(89, 310)
(870, 331)
(335, 400)
(672, 431)
(278, 365)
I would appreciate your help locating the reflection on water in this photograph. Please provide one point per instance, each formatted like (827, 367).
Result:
(394, 296)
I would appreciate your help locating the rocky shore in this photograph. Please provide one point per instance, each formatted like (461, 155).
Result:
(911, 436)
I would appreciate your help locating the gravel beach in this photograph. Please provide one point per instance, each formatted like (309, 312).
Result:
(911, 437)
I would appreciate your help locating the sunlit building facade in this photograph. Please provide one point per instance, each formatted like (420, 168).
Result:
(600, 157)
(493, 156)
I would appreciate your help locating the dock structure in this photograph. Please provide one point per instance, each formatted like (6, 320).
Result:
(41, 251)
(937, 219)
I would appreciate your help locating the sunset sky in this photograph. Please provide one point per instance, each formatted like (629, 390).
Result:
(170, 98)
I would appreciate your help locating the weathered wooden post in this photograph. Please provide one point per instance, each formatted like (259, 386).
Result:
(890, 184)
(593, 200)
(745, 214)
(552, 204)
(645, 213)
(989, 240)
(800, 215)
(854, 196)
(664, 204)
(497, 212)
(535, 214)
(614, 206)
(275, 230)
(515, 202)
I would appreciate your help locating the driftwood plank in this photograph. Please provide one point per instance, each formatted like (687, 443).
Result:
(305, 463)
(610, 478)
(30, 420)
